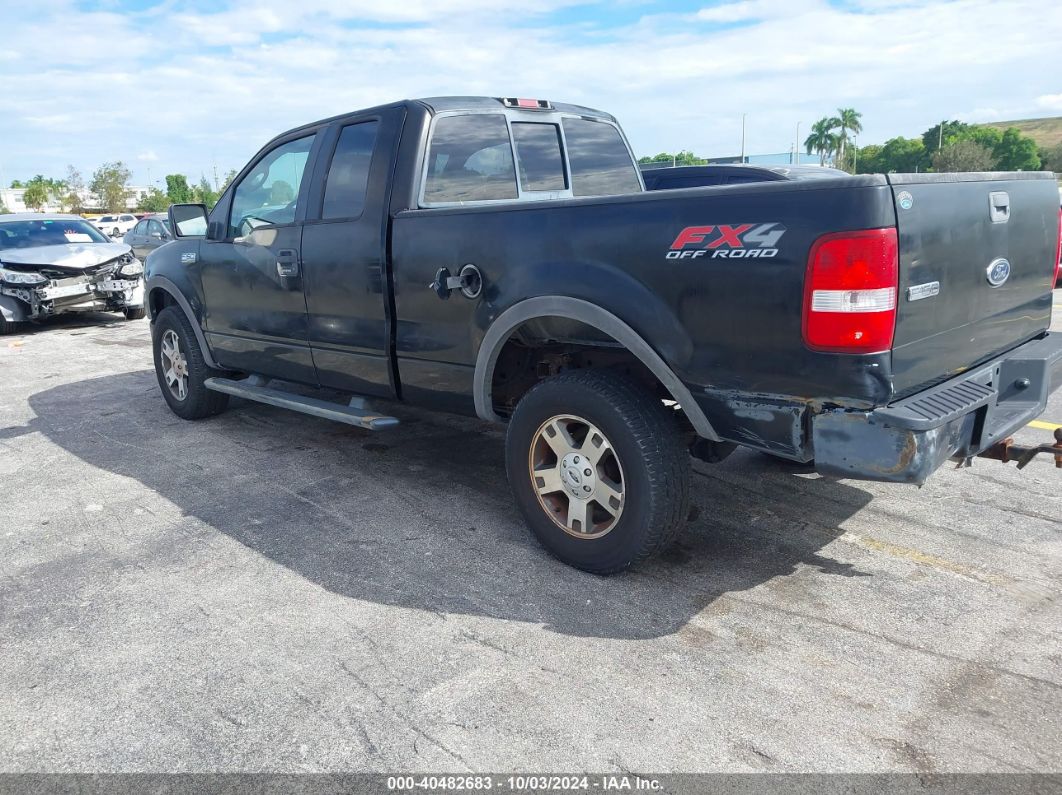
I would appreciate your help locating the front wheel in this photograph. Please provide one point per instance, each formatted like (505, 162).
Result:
(134, 312)
(599, 469)
(181, 370)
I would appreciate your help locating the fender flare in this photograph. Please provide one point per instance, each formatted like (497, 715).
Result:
(164, 284)
(591, 314)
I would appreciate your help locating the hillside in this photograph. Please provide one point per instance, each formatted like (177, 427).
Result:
(1046, 132)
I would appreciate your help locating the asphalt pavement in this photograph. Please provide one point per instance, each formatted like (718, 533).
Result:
(273, 592)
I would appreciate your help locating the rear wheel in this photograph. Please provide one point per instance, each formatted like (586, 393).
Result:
(181, 369)
(134, 312)
(599, 469)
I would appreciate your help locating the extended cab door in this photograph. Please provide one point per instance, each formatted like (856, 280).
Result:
(344, 250)
(252, 280)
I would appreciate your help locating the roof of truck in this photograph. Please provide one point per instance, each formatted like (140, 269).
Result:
(439, 104)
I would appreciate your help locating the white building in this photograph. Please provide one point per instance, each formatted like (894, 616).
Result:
(12, 199)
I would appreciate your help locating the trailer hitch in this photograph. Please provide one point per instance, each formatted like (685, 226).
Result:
(1006, 451)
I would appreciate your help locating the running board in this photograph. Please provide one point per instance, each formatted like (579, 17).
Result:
(358, 412)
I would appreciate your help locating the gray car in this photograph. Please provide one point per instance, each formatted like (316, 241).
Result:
(150, 232)
(54, 264)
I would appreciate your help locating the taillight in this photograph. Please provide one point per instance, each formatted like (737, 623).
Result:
(850, 292)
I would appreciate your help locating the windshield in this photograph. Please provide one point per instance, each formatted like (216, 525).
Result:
(48, 232)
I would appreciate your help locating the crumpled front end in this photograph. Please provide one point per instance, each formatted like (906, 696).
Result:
(40, 291)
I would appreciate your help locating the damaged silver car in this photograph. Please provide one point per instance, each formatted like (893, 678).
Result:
(55, 264)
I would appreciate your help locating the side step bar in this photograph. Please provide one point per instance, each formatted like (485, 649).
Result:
(358, 412)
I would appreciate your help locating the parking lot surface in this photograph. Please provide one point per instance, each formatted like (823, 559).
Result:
(270, 591)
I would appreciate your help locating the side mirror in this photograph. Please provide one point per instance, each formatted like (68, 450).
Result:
(188, 220)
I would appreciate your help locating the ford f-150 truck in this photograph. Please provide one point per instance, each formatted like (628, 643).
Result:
(500, 257)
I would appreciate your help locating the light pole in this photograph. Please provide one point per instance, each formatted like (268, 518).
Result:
(796, 147)
(742, 137)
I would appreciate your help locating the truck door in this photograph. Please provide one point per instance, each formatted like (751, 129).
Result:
(252, 280)
(344, 249)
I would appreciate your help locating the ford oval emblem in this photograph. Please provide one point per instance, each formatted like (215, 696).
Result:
(998, 271)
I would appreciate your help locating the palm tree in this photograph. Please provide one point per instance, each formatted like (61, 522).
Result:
(847, 121)
(822, 140)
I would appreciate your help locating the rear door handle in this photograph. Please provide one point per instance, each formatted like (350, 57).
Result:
(287, 262)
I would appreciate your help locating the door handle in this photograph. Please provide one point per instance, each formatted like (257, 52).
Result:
(288, 268)
(287, 262)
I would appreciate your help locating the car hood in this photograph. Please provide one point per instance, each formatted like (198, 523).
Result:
(68, 256)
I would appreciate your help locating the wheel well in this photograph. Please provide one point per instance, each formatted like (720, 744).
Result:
(158, 300)
(544, 346)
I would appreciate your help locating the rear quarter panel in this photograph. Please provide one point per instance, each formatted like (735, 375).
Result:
(723, 324)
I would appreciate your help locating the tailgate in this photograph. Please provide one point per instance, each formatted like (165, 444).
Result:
(976, 266)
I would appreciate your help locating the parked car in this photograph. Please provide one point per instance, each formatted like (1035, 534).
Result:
(499, 258)
(730, 174)
(115, 225)
(150, 232)
(55, 264)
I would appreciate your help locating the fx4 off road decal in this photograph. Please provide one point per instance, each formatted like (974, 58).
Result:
(737, 241)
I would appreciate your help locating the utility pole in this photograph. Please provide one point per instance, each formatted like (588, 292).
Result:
(796, 146)
(940, 141)
(742, 137)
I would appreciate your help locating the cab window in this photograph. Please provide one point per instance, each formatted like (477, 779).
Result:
(538, 155)
(348, 174)
(268, 195)
(600, 161)
(470, 159)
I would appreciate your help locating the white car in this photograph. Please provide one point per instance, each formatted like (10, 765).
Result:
(115, 225)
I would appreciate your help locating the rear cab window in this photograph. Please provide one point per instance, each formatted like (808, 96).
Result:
(491, 157)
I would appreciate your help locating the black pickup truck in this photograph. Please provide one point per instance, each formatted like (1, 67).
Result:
(499, 257)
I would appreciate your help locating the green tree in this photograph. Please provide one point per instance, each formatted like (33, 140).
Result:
(17, 183)
(963, 155)
(204, 193)
(905, 155)
(109, 183)
(35, 196)
(822, 140)
(75, 186)
(231, 175)
(1051, 158)
(932, 139)
(868, 160)
(155, 201)
(1016, 152)
(683, 158)
(988, 137)
(177, 189)
(3, 209)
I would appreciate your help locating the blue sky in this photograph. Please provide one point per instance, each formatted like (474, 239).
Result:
(170, 86)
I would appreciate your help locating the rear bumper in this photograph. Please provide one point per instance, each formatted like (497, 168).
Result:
(907, 441)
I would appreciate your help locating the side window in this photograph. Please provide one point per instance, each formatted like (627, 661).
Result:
(348, 174)
(140, 228)
(600, 162)
(538, 156)
(154, 228)
(742, 179)
(268, 194)
(470, 159)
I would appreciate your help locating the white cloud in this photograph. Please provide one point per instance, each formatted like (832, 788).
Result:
(1050, 102)
(196, 89)
(148, 157)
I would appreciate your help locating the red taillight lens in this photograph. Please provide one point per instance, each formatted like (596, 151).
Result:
(850, 292)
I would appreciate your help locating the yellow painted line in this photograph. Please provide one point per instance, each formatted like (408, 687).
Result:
(1044, 426)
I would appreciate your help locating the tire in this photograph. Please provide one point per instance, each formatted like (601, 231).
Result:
(646, 449)
(197, 401)
(134, 312)
(7, 327)
(115, 232)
